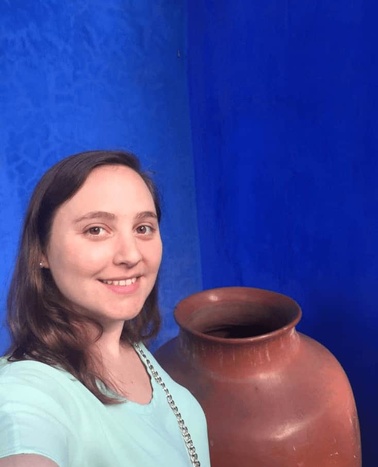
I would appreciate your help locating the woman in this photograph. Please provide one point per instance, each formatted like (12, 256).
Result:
(78, 387)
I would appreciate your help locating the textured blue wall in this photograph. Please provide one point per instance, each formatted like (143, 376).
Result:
(283, 101)
(92, 74)
(284, 113)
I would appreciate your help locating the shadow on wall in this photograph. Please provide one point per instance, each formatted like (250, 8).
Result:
(345, 331)
(11, 212)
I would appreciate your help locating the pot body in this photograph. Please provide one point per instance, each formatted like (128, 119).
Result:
(273, 397)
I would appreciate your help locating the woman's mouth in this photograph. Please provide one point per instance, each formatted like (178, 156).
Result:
(121, 282)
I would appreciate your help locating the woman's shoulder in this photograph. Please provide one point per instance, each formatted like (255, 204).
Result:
(50, 393)
(35, 413)
(30, 381)
(31, 372)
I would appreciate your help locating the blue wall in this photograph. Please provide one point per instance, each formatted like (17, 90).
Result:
(92, 74)
(283, 109)
(284, 112)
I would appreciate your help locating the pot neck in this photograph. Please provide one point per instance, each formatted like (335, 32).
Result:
(237, 327)
(235, 357)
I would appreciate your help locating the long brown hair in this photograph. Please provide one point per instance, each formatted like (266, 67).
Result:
(43, 325)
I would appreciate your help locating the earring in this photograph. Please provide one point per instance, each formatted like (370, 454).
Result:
(41, 265)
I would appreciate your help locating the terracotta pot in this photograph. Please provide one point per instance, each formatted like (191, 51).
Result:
(273, 397)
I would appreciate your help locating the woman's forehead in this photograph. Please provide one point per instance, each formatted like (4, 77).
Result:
(111, 189)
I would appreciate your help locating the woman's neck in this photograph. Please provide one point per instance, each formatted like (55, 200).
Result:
(120, 365)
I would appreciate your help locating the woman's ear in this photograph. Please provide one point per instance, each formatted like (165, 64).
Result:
(44, 263)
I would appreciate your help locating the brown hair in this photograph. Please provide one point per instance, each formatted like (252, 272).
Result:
(43, 325)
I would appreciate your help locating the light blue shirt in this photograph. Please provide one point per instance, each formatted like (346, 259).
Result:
(46, 411)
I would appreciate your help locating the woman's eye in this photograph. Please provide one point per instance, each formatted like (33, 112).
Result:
(95, 231)
(145, 229)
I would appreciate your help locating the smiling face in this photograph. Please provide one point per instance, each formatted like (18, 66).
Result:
(105, 249)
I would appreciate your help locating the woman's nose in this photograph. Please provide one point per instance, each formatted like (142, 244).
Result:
(127, 251)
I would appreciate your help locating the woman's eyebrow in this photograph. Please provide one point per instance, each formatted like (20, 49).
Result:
(146, 214)
(110, 216)
(95, 215)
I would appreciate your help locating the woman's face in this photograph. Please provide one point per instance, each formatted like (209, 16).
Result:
(105, 248)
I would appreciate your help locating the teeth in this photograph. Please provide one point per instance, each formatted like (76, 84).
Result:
(122, 283)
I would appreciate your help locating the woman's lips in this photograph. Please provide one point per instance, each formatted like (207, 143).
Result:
(121, 282)
(122, 286)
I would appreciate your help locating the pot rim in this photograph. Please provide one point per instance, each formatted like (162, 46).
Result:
(210, 297)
